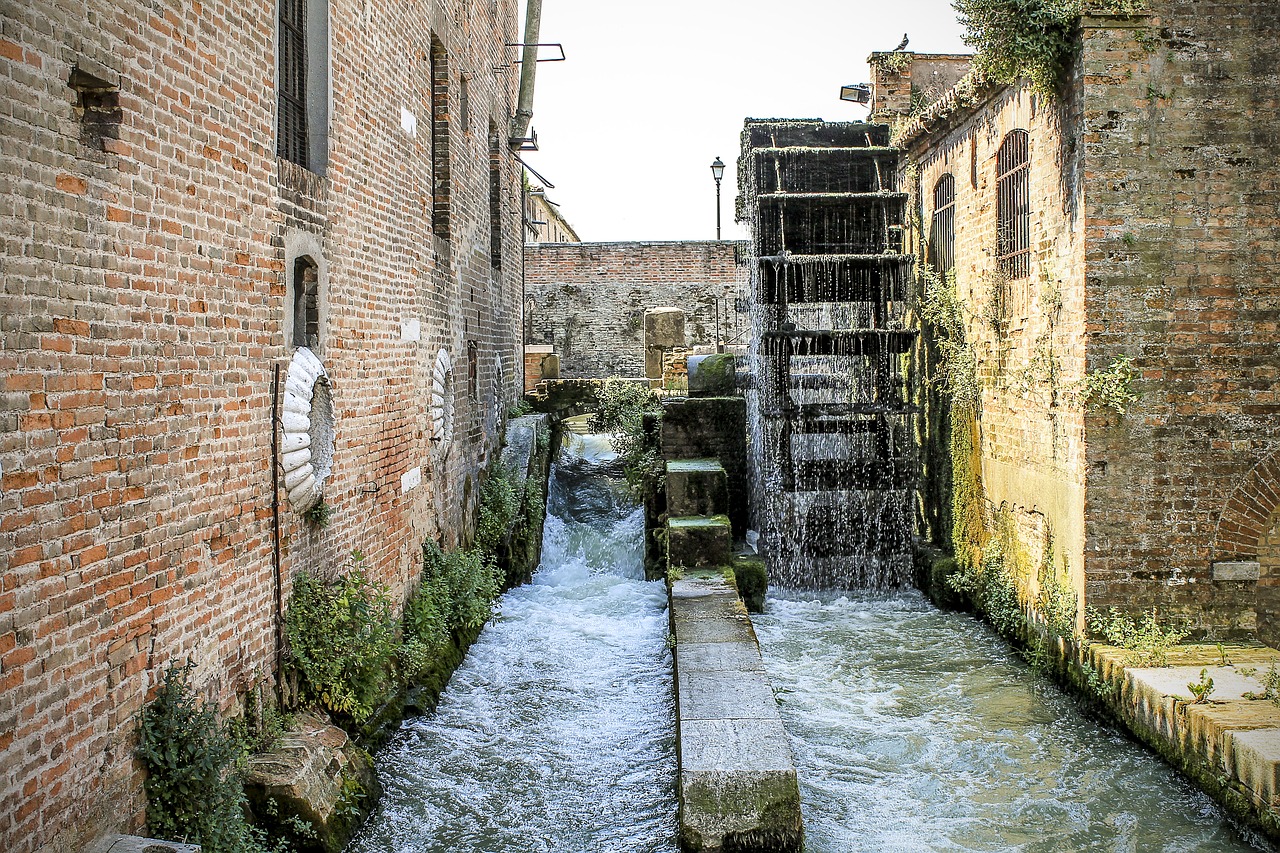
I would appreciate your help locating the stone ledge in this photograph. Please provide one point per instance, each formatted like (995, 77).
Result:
(738, 788)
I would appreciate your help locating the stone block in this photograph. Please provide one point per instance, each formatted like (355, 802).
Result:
(752, 580)
(1241, 570)
(714, 375)
(317, 775)
(697, 487)
(663, 328)
(699, 541)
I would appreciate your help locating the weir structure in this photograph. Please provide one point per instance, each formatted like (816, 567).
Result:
(834, 450)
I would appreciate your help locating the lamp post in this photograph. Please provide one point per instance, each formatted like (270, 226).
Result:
(717, 172)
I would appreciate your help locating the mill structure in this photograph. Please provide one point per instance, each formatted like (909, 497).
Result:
(833, 440)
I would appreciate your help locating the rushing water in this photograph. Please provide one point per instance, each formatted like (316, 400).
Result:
(917, 730)
(557, 732)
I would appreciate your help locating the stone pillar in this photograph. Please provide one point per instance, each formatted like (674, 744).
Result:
(663, 331)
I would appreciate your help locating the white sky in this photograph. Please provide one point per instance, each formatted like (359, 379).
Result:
(653, 91)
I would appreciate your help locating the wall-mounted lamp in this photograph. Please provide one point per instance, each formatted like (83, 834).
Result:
(857, 93)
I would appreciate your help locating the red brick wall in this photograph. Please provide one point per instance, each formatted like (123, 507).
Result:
(1179, 149)
(589, 299)
(142, 313)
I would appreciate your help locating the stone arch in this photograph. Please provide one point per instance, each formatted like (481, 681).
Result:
(1247, 514)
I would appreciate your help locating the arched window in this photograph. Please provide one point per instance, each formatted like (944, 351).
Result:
(942, 230)
(1013, 206)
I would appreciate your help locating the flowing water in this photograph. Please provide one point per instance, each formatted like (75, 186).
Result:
(917, 730)
(557, 732)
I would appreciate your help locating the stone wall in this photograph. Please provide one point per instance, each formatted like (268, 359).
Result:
(589, 299)
(149, 265)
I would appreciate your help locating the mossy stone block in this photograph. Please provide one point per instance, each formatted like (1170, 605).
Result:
(752, 580)
(697, 487)
(699, 541)
(714, 375)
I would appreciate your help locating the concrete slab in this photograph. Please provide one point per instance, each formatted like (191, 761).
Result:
(1255, 761)
(709, 745)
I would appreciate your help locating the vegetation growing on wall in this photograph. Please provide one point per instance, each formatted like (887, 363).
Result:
(342, 641)
(620, 412)
(195, 793)
(1110, 388)
(1032, 39)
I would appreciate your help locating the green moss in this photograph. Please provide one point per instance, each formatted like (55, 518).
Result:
(752, 580)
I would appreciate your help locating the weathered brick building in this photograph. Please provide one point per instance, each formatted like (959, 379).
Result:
(1133, 218)
(190, 193)
(587, 300)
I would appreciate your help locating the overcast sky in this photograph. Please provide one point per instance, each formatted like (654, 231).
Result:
(653, 91)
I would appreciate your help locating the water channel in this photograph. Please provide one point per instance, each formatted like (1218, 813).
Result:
(557, 732)
(913, 729)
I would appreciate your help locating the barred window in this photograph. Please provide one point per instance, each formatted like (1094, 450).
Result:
(439, 138)
(495, 197)
(1013, 206)
(291, 142)
(942, 230)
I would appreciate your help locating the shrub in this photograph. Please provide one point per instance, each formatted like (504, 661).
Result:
(194, 791)
(620, 411)
(1148, 641)
(342, 640)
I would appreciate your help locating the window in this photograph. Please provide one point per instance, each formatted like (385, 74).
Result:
(495, 197)
(942, 233)
(439, 138)
(302, 85)
(306, 303)
(473, 370)
(1013, 206)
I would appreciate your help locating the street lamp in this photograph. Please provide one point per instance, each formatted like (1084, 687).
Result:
(717, 172)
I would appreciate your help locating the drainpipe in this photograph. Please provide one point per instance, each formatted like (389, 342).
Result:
(528, 67)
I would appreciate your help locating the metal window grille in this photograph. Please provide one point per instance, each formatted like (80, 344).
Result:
(439, 71)
(1013, 205)
(942, 230)
(291, 142)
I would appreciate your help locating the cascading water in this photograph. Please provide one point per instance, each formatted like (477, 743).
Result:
(833, 452)
(918, 730)
(557, 732)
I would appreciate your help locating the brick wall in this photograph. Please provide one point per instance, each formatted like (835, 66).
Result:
(1180, 146)
(589, 299)
(144, 307)
(1153, 195)
(1031, 424)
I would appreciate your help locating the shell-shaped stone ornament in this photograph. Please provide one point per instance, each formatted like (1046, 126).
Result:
(306, 440)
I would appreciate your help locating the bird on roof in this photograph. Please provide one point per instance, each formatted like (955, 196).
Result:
(902, 45)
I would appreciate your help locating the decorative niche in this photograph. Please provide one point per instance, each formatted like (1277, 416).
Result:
(308, 429)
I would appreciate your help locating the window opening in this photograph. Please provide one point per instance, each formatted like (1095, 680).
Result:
(942, 233)
(1013, 204)
(473, 370)
(495, 197)
(98, 105)
(439, 70)
(464, 102)
(306, 303)
(291, 141)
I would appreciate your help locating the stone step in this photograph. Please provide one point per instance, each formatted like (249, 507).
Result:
(697, 541)
(696, 487)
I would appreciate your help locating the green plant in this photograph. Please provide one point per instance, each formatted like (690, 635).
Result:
(1202, 688)
(1147, 641)
(1056, 602)
(520, 409)
(499, 503)
(1034, 39)
(1095, 682)
(941, 309)
(319, 514)
(261, 726)
(1270, 684)
(895, 62)
(1223, 660)
(193, 786)
(1111, 388)
(620, 412)
(342, 640)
